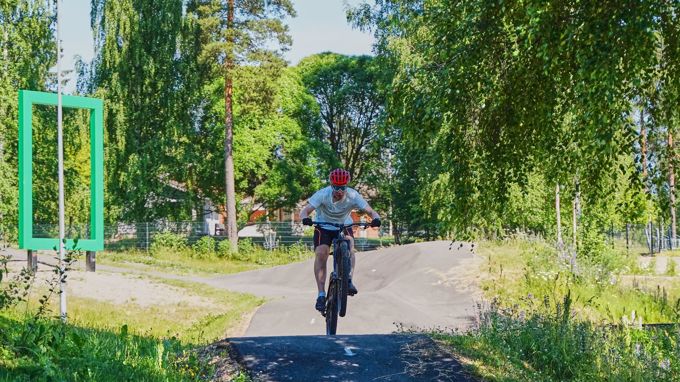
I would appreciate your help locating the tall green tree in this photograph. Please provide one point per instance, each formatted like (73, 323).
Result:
(491, 92)
(237, 33)
(351, 107)
(136, 72)
(27, 51)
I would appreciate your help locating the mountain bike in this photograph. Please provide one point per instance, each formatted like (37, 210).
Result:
(338, 285)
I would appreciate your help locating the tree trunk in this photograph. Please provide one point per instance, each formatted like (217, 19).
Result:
(643, 147)
(671, 184)
(560, 243)
(576, 213)
(232, 230)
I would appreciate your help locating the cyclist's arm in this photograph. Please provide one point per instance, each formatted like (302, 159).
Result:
(306, 211)
(370, 211)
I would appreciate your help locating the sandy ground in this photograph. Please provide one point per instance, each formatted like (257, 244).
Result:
(118, 288)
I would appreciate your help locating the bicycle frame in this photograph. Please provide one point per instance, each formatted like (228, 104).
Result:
(336, 298)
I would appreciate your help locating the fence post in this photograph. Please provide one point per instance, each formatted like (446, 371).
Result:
(32, 260)
(650, 238)
(90, 261)
(627, 237)
(147, 236)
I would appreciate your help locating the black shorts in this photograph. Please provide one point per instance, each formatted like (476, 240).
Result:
(326, 236)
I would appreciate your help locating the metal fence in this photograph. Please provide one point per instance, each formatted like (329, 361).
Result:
(648, 238)
(269, 235)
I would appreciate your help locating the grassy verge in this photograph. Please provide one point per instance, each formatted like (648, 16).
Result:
(106, 341)
(185, 261)
(515, 272)
(553, 319)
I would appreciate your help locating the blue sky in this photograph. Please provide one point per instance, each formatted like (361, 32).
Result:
(320, 26)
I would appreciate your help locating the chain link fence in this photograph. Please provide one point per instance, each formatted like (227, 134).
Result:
(269, 235)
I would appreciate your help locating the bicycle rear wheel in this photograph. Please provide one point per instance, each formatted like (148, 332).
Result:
(344, 267)
(332, 309)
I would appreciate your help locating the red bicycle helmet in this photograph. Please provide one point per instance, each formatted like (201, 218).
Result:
(339, 177)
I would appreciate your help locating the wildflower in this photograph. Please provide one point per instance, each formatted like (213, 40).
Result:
(665, 364)
(638, 350)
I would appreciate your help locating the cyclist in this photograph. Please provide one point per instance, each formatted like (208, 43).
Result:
(334, 204)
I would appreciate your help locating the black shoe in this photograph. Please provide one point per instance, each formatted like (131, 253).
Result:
(320, 303)
(352, 290)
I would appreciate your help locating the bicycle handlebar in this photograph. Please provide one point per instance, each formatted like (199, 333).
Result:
(342, 226)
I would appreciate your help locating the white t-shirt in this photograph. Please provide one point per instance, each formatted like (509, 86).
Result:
(336, 212)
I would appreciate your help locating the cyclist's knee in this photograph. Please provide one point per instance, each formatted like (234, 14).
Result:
(322, 252)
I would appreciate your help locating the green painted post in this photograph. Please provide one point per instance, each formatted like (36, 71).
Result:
(27, 99)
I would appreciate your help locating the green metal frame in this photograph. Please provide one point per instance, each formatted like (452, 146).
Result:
(27, 99)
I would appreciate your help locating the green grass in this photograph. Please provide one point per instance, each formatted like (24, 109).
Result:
(548, 321)
(515, 270)
(548, 344)
(103, 341)
(106, 341)
(47, 350)
(670, 268)
(188, 262)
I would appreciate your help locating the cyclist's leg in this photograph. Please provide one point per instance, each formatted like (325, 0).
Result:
(321, 253)
(322, 242)
(349, 234)
(351, 251)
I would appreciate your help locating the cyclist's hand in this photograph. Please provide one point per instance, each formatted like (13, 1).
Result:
(307, 221)
(375, 222)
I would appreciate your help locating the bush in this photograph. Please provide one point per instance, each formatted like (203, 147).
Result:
(246, 246)
(204, 248)
(224, 249)
(168, 241)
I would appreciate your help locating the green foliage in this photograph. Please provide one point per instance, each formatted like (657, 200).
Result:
(351, 109)
(487, 95)
(545, 343)
(528, 205)
(37, 349)
(13, 290)
(27, 52)
(204, 247)
(168, 241)
(224, 249)
(147, 101)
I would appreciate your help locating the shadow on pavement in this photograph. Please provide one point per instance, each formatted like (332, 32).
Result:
(385, 357)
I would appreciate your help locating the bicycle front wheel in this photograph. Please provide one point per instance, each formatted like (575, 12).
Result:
(332, 309)
(344, 267)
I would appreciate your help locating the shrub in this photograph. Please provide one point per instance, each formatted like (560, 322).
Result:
(246, 246)
(224, 249)
(204, 248)
(168, 241)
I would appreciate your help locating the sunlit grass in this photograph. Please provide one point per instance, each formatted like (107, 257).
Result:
(550, 319)
(187, 262)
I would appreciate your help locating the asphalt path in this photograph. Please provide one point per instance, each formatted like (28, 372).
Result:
(377, 357)
(421, 286)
